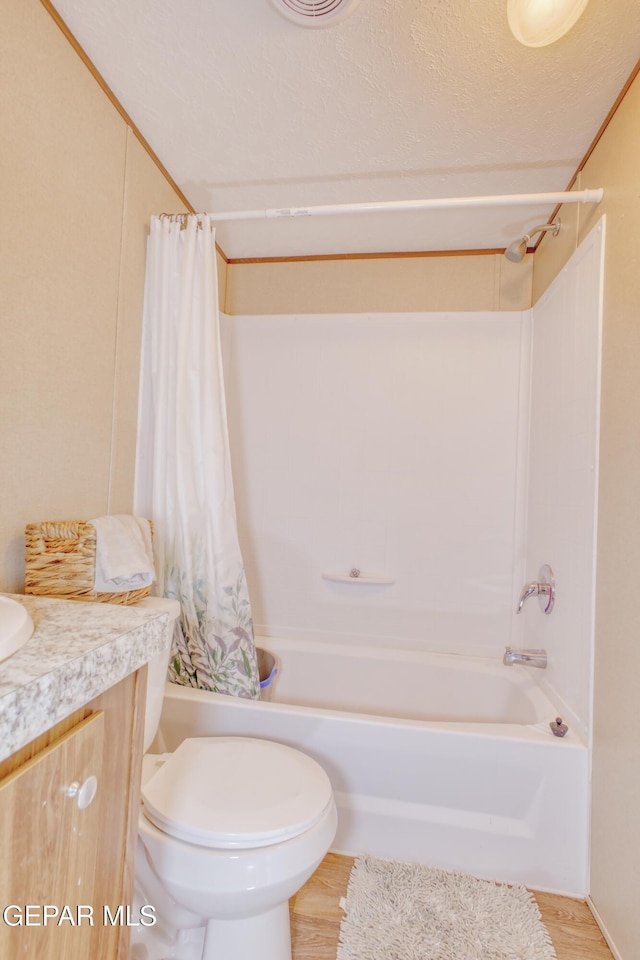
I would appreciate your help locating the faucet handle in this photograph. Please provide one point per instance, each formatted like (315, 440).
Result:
(544, 588)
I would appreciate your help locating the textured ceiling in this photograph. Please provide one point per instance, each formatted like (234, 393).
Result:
(404, 99)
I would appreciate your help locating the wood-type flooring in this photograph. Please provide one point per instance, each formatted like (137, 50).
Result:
(316, 916)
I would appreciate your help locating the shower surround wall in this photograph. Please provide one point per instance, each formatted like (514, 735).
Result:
(563, 476)
(454, 452)
(388, 442)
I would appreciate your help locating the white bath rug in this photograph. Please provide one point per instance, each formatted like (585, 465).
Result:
(404, 911)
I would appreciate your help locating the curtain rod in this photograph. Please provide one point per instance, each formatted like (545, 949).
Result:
(440, 203)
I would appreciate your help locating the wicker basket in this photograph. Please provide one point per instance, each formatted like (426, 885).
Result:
(61, 562)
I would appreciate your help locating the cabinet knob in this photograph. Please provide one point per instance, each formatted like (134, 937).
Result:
(83, 792)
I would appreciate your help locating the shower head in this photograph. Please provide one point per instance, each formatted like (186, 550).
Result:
(516, 250)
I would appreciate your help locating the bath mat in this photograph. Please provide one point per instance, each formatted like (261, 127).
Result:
(404, 911)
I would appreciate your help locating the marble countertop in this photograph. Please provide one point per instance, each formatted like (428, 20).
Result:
(77, 651)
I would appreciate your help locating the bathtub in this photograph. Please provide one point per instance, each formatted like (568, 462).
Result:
(435, 759)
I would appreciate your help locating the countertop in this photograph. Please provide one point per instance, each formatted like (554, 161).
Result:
(77, 651)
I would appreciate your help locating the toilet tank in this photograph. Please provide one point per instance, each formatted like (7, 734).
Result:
(157, 667)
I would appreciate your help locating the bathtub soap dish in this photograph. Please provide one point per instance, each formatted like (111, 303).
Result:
(355, 576)
(558, 728)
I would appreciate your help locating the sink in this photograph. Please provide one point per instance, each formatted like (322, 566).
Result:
(16, 627)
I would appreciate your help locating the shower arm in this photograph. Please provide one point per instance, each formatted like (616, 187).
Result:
(401, 206)
(554, 226)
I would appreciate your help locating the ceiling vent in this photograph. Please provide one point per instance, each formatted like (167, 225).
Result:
(315, 13)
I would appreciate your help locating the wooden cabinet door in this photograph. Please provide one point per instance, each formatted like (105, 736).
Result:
(49, 846)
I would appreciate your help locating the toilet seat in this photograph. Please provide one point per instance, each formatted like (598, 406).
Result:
(236, 792)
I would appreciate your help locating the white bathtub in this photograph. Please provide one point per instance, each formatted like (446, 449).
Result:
(442, 760)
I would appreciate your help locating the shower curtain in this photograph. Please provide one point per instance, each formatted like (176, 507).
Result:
(183, 468)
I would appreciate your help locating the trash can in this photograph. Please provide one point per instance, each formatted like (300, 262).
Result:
(268, 670)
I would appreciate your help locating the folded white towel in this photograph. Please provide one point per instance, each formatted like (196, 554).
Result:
(124, 554)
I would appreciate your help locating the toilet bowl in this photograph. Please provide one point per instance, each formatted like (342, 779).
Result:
(229, 829)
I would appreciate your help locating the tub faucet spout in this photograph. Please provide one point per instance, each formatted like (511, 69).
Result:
(530, 658)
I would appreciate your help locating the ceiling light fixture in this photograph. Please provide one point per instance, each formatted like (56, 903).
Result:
(536, 23)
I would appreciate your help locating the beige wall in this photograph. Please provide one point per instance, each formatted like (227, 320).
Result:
(380, 285)
(615, 165)
(77, 191)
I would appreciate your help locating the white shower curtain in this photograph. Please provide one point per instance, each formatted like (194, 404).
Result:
(183, 469)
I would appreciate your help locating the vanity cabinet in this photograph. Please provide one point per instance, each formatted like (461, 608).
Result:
(67, 840)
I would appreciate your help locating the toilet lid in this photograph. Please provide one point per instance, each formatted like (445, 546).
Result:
(236, 792)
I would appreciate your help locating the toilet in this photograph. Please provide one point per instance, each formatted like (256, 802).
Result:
(229, 829)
